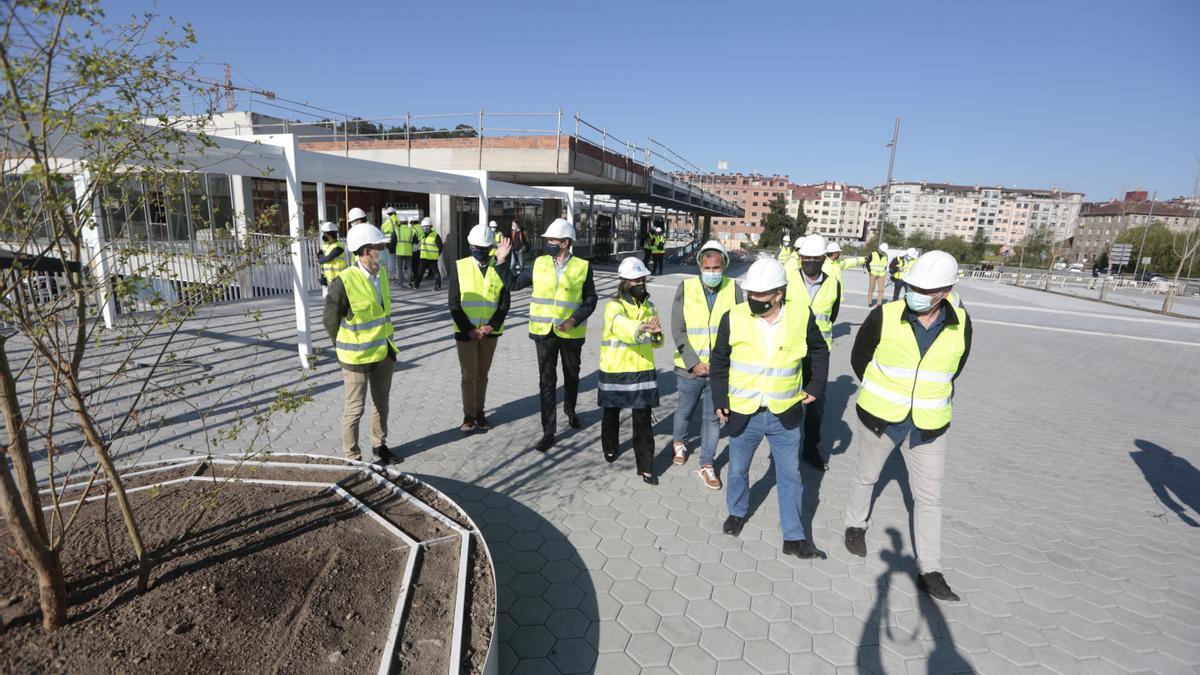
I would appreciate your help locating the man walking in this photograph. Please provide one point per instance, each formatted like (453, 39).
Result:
(405, 234)
(391, 230)
(563, 297)
(759, 390)
(358, 318)
(431, 252)
(808, 284)
(659, 249)
(700, 304)
(899, 268)
(907, 355)
(877, 267)
(478, 304)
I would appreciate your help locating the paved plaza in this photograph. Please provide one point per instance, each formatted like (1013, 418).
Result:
(1072, 499)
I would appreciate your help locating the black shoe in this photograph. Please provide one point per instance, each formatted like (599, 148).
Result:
(802, 549)
(733, 525)
(481, 422)
(573, 421)
(813, 459)
(935, 584)
(649, 480)
(610, 458)
(856, 541)
(545, 444)
(383, 454)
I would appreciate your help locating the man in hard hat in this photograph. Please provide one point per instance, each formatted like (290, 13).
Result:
(355, 216)
(627, 378)
(431, 252)
(836, 264)
(648, 245)
(877, 268)
(785, 250)
(759, 390)
(358, 318)
(391, 230)
(907, 355)
(563, 297)
(333, 255)
(899, 268)
(494, 231)
(405, 234)
(478, 304)
(808, 284)
(659, 249)
(700, 303)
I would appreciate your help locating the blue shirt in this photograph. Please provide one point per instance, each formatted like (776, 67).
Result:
(926, 336)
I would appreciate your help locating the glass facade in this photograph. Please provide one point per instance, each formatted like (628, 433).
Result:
(174, 208)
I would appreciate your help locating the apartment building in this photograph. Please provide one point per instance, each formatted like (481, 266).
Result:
(835, 210)
(1100, 223)
(753, 192)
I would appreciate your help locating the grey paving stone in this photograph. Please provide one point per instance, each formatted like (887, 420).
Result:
(766, 657)
(649, 650)
(722, 643)
(692, 660)
(706, 613)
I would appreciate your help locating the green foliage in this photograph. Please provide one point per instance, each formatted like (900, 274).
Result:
(892, 236)
(1163, 247)
(802, 219)
(776, 224)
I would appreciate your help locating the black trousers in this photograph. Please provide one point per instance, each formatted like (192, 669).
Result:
(813, 414)
(643, 437)
(432, 267)
(898, 288)
(549, 349)
(658, 263)
(647, 257)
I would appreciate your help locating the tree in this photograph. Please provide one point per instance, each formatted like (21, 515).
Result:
(1032, 250)
(79, 94)
(892, 236)
(801, 222)
(776, 224)
(979, 245)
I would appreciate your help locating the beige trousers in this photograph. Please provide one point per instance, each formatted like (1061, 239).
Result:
(378, 380)
(872, 282)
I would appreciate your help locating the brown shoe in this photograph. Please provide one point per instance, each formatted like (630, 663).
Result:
(680, 452)
(468, 425)
(709, 475)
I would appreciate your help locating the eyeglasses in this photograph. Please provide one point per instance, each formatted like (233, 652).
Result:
(377, 247)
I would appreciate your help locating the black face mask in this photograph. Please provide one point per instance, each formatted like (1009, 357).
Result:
(553, 249)
(760, 307)
(811, 267)
(639, 292)
(479, 254)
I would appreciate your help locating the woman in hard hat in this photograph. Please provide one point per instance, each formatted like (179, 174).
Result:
(907, 355)
(632, 330)
(759, 390)
(478, 304)
(333, 255)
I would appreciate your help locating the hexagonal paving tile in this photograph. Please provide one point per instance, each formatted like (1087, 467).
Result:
(649, 649)
(638, 619)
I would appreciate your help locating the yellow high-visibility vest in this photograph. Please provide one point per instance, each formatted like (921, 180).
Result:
(877, 263)
(702, 323)
(404, 237)
(756, 378)
(429, 248)
(478, 294)
(365, 337)
(334, 267)
(821, 306)
(899, 380)
(552, 301)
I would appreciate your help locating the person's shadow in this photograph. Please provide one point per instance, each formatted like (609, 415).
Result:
(944, 658)
(1172, 478)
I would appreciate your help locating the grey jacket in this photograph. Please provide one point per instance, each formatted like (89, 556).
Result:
(679, 331)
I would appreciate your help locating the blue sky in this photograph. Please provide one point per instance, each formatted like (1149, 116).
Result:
(1098, 97)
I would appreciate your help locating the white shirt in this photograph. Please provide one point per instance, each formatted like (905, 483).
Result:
(374, 279)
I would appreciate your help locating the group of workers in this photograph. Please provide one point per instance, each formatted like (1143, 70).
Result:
(654, 247)
(754, 355)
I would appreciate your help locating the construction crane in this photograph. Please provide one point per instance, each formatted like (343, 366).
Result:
(227, 88)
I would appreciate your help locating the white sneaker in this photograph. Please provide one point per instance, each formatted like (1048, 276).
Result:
(680, 452)
(709, 476)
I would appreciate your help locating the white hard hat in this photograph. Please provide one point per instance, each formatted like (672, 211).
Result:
(935, 269)
(833, 247)
(389, 210)
(560, 229)
(480, 235)
(766, 274)
(812, 246)
(411, 220)
(364, 234)
(786, 240)
(356, 214)
(328, 227)
(883, 247)
(912, 253)
(426, 222)
(712, 245)
(632, 268)
(492, 224)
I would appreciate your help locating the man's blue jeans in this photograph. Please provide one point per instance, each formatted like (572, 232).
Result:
(693, 390)
(784, 443)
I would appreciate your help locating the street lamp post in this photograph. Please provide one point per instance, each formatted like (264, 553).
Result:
(887, 190)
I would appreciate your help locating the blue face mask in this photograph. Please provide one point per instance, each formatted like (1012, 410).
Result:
(711, 279)
(918, 302)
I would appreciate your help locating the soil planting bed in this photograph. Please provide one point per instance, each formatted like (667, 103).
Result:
(277, 579)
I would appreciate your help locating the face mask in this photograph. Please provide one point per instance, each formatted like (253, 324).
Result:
(811, 267)
(918, 302)
(760, 307)
(553, 249)
(479, 254)
(638, 292)
(711, 279)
